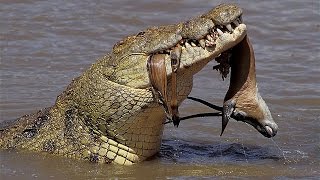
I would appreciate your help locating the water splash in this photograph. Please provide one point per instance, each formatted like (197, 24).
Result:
(280, 150)
(242, 145)
(244, 151)
(221, 155)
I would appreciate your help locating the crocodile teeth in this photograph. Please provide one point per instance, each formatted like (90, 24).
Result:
(193, 44)
(209, 37)
(187, 45)
(207, 42)
(202, 43)
(219, 31)
(229, 27)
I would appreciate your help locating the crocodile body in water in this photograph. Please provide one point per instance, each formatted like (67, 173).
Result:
(110, 113)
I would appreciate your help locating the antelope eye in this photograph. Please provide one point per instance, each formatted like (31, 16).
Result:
(240, 115)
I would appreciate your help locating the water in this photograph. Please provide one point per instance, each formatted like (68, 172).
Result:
(45, 44)
(280, 150)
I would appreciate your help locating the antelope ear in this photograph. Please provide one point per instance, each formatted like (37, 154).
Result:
(227, 110)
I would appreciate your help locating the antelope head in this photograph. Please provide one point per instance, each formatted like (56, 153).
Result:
(243, 101)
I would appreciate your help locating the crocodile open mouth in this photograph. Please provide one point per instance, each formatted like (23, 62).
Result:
(209, 40)
(214, 44)
(210, 44)
(193, 53)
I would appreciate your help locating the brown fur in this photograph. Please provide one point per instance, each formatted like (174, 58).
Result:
(243, 86)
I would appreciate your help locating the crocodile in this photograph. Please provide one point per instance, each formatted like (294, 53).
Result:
(111, 114)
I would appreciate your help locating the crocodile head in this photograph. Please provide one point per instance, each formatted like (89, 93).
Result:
(200, 40)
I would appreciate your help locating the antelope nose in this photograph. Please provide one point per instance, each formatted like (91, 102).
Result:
(271, 129)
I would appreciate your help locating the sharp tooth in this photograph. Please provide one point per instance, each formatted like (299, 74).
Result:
(207, 42)
(188, 45)
(219, 31)
(189, 48)
(209, 37)
(202, 43)
(193, 44)
(229, 27)
(211, 30)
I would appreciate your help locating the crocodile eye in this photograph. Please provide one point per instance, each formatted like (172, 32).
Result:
(141, 33)
(120, 43)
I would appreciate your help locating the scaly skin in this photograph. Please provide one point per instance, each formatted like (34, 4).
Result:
(109, 113)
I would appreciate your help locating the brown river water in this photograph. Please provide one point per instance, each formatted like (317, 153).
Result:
(45, 44)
